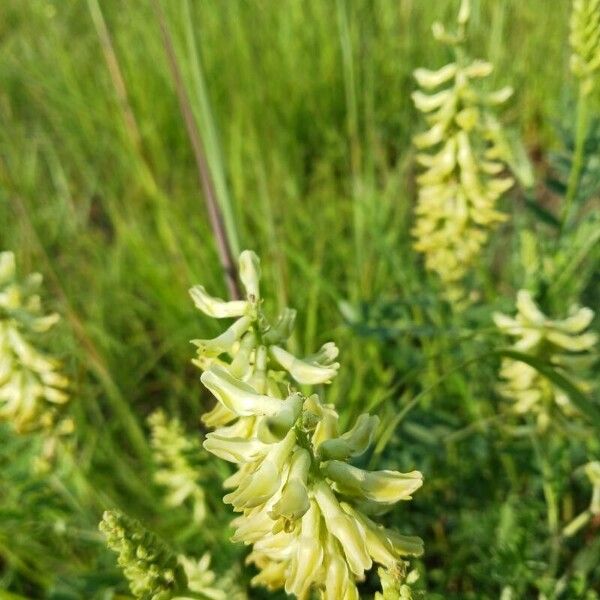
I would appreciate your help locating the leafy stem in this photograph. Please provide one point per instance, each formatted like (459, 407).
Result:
(579, 155)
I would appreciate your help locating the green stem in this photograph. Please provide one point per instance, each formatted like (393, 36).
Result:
(552, 506)
(578, 157)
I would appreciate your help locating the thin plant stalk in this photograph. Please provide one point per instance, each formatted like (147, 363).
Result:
(578, 156)
(214, 213)
(211, 137)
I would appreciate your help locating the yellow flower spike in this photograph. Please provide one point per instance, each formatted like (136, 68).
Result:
(31, 385)
(304, 537)
(386, 487)
(177, 459)
(563, 343)
(461, 182)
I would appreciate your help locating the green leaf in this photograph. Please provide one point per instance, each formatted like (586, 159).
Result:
(542, 213)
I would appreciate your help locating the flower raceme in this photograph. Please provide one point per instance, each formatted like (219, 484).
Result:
(563, 343)
(31, 385)
(462, 154)
(307, 512)
(176, 457)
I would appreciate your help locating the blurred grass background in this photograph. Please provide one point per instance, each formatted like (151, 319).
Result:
(305, 112)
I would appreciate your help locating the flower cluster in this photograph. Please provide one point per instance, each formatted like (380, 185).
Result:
(562, 343)
(177, 458)
(463, 155)
(31, 385)
(152, 570)
(585, 41)
(303, 507)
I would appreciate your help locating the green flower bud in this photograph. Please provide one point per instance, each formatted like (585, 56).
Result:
(585, 41)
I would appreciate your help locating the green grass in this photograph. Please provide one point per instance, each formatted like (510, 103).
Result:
(305, 111)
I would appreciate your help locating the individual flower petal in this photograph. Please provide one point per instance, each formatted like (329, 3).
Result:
(354, 442)
(237, 396)
(301, 370)
(432, 79)
(387, 487)
(250, 274)
(216, 307)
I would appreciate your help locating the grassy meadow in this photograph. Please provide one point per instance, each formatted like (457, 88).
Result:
(305, 115)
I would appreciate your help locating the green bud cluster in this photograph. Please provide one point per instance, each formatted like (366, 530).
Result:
(307, 512)
(463, 155)
(32, 388)
(585, 41)
(562, 343)
(177, 458)
(152, 570)
(396, 583)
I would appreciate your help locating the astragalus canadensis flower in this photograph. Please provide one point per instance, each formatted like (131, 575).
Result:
(32, 388)
(585, 41)
(463, 155)
(564, 344)
(252, 348)
(307, 512)
(152, 570)
(178, 466)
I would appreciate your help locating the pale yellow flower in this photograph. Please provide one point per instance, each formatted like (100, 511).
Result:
(177, 458)
(564, 343)
(32, 388)
(463, 158)
(303, 508)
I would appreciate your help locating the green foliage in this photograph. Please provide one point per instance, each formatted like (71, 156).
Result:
(305, 113)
